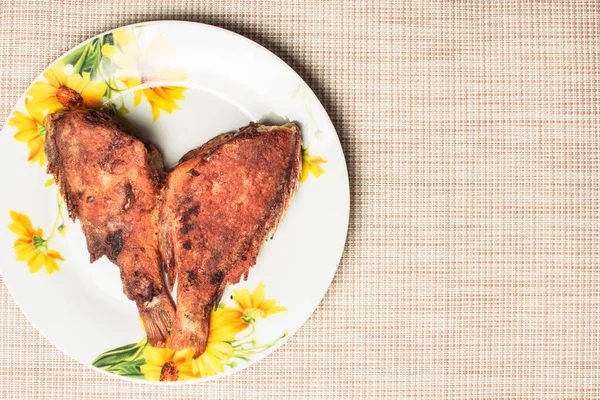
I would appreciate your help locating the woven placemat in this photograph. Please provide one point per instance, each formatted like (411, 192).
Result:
(471, 132)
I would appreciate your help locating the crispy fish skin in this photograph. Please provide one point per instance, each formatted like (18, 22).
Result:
(112, 182)
(221, 202)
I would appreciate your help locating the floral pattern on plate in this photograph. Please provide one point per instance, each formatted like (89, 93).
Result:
(94, 76)
(231, 339)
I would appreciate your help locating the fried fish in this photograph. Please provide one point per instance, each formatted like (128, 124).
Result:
(113, 183)
(221, 202)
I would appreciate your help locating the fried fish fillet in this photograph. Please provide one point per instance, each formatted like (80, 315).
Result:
(221, 202)
(113, 182)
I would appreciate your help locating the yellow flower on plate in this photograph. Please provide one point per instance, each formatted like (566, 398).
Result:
(136, 67)
(63, 91)
(311, 164)
(249, 308)
(31, 246)
(31, 130)
(165, 364)
(218, 348)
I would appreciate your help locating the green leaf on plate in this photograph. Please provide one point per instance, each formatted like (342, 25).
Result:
(124, 354)
(108, 39)
(62, 230)
(88, 57)
(75, 55)
(112, 109)
(127, 368)
(42, 130)
(89, 60)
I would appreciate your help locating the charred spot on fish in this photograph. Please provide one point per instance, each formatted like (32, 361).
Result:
(95, 118)
(244, 258)
(117, 142)
(90, 199)
(192, 278)
(128, 197)
(187, 245)
(216, 297)
(216, 279)
(185, 219)
(187, 228)
(193, 172)
(114, 241)
(105, 163)
(142, 288)
(192, 211)
(72, 202)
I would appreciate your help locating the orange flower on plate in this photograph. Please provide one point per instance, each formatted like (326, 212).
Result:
(63, 91)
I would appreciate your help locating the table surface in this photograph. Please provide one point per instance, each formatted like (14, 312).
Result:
(471, 133)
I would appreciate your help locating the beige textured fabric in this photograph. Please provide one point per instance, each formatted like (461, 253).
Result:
(471, 131)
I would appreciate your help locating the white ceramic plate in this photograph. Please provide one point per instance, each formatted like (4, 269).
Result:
(179, 84)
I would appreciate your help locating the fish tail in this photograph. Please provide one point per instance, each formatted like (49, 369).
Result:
(190, 334)
(157, 316)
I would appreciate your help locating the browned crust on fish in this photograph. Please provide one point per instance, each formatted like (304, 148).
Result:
(112, 182)
(221, 202)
